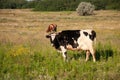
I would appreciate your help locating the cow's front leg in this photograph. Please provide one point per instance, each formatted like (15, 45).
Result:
(64, 53)
(64, 56)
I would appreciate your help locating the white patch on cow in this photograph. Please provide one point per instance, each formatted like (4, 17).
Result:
(53, 36)
(63, 49)
(84, 42)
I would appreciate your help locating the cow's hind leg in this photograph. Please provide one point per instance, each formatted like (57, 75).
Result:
(87, 55)
(93, 54)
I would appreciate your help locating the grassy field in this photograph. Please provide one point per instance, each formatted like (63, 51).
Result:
(25, 53)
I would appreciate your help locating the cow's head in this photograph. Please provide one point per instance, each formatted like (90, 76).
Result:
(52, 28)
(51, 37)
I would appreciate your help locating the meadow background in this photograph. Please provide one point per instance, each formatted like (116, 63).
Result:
(25, 53)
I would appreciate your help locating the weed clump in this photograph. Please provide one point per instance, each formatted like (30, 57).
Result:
(18, 50)
(85, 8)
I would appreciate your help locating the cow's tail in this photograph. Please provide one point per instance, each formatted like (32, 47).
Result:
(95, 41)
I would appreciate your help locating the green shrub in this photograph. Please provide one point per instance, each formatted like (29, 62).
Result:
(85, 8)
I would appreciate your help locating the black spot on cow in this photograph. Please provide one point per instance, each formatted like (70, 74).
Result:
(71, 36)
(92, 36)
(85, 33)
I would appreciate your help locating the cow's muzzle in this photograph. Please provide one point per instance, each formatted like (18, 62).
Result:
(47, 36)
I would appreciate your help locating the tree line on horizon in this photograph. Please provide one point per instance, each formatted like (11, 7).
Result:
(58, 5)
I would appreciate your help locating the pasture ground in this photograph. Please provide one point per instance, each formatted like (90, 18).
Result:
(25, 53)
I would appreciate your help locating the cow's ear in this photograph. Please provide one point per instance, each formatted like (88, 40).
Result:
(47, 36)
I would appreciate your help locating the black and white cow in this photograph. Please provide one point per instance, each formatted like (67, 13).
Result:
(74, 40)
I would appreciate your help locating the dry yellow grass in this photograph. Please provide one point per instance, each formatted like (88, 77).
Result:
(23, 25)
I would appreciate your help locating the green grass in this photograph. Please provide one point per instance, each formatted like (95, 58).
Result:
(47, 64)
(25, 53)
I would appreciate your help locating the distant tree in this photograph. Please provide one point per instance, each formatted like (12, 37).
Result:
(12, 4)
(85, 8)
(99, 4)
(113, 4)
(58, 5)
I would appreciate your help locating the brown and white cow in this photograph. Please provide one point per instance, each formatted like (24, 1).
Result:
(74, 40)
(52, 28)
